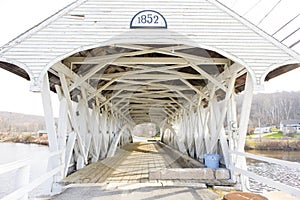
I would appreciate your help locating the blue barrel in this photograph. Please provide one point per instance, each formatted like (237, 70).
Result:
(212, 160)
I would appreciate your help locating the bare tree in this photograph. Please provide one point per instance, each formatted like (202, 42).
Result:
(270, 109)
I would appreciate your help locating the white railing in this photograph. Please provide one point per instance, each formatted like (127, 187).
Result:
(23, 184)
(275, 184)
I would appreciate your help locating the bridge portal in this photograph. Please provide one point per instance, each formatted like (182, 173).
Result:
(179, 65)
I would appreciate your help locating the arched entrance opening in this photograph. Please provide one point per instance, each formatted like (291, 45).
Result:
(186, 89)
(146, 130)
(115, 67)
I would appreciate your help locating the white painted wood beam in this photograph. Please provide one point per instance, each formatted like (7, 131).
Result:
(173, 51)
(144, 112)
(69, 151)
(141, 75)
(133, 86)
(208, 76)
(157, 92)
(124, 99)
(84, 121)
(124, 106)
(194, 88)
(148, 95)
(180, 143)
(79, 80)
(149, 60)
(207, 138)
(170, 111)
(49, 117)
(96, 136)
(199, 60)
(135, 116)
(66, 93)
(125, 112)
(220, 129)
(61, 68)
(105, 58)
(102, 88)
(149, 101)
(145, 47)
(140, 69)
(185, 97)
(167, 113)
(240, 161)
(182, 107)
(156, 68)
(62, 128)
(109, 99)
(63, 119)
(245, 113)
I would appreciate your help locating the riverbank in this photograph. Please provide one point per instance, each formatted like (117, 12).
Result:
(286, 144)
(24, 138)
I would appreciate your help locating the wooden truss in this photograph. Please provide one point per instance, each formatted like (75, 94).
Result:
(188, 92)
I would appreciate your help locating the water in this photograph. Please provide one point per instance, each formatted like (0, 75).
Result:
(293, 156)
(10, 152)
(275, 172)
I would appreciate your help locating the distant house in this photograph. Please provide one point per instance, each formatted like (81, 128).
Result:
(261, 130)
(42, 133)
(290, 126)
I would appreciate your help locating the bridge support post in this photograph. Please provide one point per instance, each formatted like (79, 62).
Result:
(66, 140)
(240, 161)
(115, 141)
(53, 161)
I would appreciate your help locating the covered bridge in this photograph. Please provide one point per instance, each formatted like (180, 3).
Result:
(179, 64)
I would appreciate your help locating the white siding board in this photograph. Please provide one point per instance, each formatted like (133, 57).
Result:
(198, 21)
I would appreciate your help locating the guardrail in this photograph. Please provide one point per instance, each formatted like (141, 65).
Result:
(275, 184)
(24, 186)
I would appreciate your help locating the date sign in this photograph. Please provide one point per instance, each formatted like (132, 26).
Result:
(148, 19)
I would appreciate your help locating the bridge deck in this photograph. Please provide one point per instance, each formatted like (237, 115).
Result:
(131, 164)
(125, 176)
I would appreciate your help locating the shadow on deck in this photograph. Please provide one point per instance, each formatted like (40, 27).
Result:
(149, 162)
(131, 164)
(127, 176)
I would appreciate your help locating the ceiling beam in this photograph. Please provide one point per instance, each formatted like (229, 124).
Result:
(149, 61)
(79, 80)
(208, 76)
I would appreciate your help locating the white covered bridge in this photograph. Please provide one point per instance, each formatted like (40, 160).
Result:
(114, 64)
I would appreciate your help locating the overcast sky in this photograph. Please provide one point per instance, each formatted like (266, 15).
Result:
(17, 16)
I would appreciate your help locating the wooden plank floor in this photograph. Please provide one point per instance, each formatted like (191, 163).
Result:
(131, 164)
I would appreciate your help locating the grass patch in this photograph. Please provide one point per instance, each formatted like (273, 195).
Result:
(250, 136)
(275, 135)
(275, 129)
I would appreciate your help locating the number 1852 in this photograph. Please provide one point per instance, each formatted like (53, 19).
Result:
(148, 19)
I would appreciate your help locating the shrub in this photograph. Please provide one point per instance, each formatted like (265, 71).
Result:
(27, 137)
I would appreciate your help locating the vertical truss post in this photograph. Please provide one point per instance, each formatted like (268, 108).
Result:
(243, 126)
(96, 133)
(49, 117)
(54, 161)
(62, 127)
(81, 157)
(105, 137)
